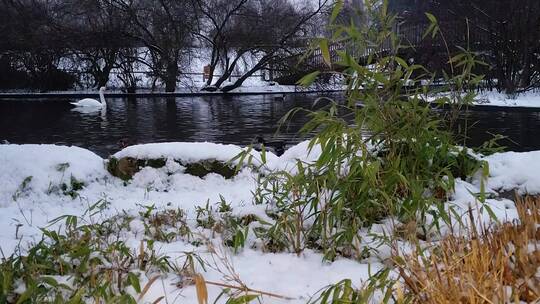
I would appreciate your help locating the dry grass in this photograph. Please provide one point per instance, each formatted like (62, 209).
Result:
(498, 265)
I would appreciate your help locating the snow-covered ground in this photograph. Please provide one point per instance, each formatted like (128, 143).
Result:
(31, 195)
(526, 100)
(495, 99)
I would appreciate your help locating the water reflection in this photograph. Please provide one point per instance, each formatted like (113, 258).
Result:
(230, 119)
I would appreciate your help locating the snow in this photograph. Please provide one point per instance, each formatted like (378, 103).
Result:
(526, 100)
(187, 152)
(167, 187)
(282, 274)
(495, 99)
(464, 201)
(512, 170)
(45, 166)
(24, 209)
(299, 152)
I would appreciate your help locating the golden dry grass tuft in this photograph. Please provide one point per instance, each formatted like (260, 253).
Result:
(497, 265)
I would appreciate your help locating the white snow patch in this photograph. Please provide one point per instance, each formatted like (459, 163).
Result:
(529, 99)
(44, 167)
(513, 170)
(299, 152)
(490, 98)
(188, 152)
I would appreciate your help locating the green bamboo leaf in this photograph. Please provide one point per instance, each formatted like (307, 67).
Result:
(134, 281)
(402, 62)
(323, 44)
(492, 214)
(245, 299)
(431, 18)
(336, 10)
(308, 80)
(77, 298)
(50, 281)
(25, 296)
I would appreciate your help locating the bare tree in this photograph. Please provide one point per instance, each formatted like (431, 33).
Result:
(98, 33)
(276, 29)
(260, 30)
(214, 21)
(100, 36)
(164, 27)
(34, 42)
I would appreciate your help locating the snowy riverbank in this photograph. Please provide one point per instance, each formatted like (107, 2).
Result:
(264, 88)
(495, 99)
(43, 182)
(524, 100)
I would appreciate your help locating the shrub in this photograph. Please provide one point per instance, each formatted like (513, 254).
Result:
(390, 156)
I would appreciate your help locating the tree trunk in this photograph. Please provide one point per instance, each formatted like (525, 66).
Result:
(213, 63)
(171, 76)
(229, 69)
(246, 75)
(102, 77)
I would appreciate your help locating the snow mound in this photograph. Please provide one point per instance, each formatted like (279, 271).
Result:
(513, 170)
(299, 152)
(40, 168)
(187, 152)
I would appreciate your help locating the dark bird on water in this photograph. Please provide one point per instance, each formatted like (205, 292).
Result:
(276, 147)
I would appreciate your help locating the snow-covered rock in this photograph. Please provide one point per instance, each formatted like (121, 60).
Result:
(186, 152)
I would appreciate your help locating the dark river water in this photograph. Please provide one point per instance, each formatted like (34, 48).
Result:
(233, 119)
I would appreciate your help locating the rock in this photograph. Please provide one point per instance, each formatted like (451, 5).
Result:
(205, 167)
(510, 195)
(154, 163)
(123, 168)
(126, 167)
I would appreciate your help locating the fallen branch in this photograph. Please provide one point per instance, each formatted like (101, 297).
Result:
(247, 290)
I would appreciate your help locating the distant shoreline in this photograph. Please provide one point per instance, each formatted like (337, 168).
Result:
(113, 94)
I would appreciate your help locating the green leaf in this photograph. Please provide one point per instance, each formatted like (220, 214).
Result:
(431, 18)
(134, 281)
(457, 58)
(26, 295)
(401, 62)
(307, 80)
(77, 298)
(49, 281)
(336, 10)
(492, 214)
(245, 299)
(263, 155)
(323, 44)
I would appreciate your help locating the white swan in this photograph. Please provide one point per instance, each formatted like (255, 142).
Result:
(92, 103)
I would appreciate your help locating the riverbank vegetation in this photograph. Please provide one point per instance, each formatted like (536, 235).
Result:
(388, 196)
